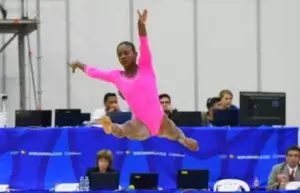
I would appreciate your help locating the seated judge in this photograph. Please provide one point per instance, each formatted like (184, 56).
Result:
(166, 104)
(212, 104)
(287, 171)
(226, 97)
(110, 102)
(104, 163)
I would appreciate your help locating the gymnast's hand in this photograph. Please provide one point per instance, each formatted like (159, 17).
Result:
(143, 17)
(75, 65)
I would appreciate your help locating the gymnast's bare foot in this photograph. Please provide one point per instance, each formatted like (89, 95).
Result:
(106, 124)
(191, 144)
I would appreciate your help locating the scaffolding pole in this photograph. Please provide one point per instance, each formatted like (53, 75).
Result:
(68, 54)
(5, 44)
(196, 59)
(3, 73)
(22, 9)
(39, 55)
(258, 45)
(32, 76)
(22, 27)
(22, 71)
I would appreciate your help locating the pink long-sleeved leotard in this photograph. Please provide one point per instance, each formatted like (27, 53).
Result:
(140, 92)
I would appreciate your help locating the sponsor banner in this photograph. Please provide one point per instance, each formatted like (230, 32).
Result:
(39, 159)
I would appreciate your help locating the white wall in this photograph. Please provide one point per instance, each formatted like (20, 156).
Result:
(281, 52)
(96, 29)
(226, 54)
(227, 47)
(171, 35)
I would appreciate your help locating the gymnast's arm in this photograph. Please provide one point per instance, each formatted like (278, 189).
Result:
(145, 59)
(93, 72)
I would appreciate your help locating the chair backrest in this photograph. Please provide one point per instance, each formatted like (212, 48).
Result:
(231, 185)
(292, 185)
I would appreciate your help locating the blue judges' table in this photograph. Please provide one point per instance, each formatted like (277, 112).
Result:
(163, 191)
(40, 158)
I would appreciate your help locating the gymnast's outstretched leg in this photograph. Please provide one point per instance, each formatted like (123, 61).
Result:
(170, 131)
(135, 129)
(132, 129)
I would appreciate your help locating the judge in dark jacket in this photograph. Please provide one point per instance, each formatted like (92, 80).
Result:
(165, 101)
(104, 163)
(212, 104)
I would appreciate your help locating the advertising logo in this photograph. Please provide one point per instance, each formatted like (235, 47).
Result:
(279, 156)
(249, 157)
(149, 153)
(38, 153)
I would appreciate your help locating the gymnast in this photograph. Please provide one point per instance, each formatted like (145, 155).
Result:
(137, 84)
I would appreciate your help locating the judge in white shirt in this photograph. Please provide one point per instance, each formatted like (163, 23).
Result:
(110, 102)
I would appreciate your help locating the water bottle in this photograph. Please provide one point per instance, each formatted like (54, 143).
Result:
(81, 184)
(256, 183)
(86, 184)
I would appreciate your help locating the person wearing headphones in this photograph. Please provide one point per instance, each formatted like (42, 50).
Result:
(287, 171)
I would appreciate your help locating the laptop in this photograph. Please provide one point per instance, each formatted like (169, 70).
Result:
(228, 117)
(144, 181)
(119, 117)
(192, 179)
(104, 181)
(68, 117)
(188, 119)
(33, 118)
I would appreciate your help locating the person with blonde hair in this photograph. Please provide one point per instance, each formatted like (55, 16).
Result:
(226, 99)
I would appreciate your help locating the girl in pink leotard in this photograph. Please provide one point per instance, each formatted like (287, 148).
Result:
(137, 83)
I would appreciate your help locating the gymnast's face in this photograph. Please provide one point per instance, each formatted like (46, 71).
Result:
(126, 55)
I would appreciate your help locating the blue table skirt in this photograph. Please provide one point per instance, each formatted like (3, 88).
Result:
(39, 158)
(163, 191)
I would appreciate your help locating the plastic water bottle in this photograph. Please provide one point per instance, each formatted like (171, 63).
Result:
(86, 184)
(81, 184)
(256, 183)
